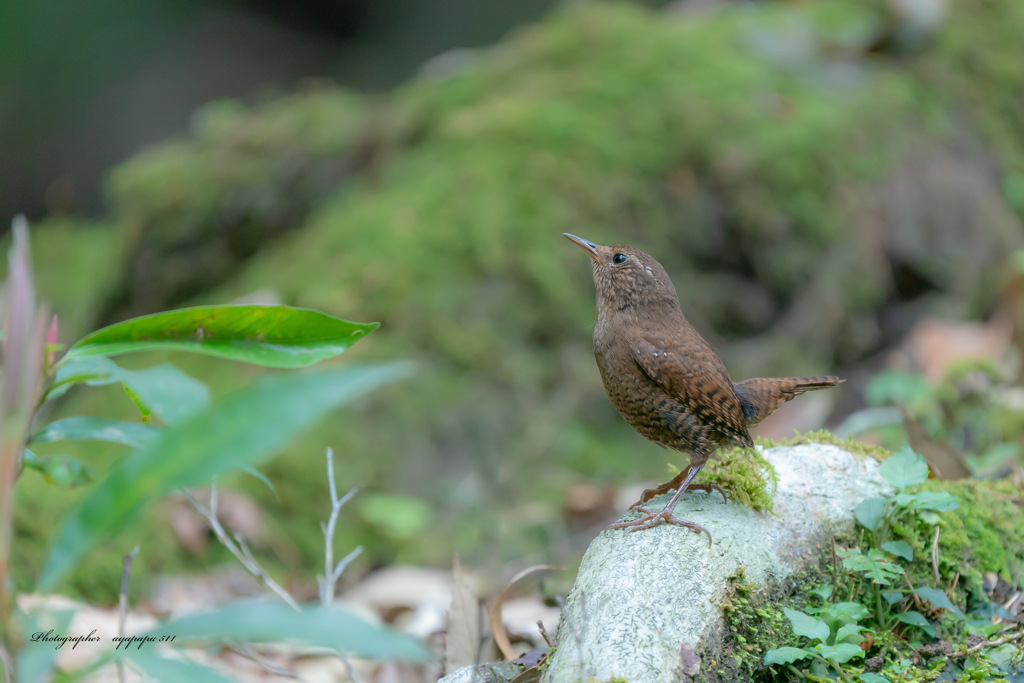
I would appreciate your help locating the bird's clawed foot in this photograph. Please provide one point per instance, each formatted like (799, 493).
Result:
(652, 519)
(670, 485)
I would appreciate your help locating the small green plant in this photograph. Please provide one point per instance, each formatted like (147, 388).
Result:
(880, 567)
(880, 596)
(833, 632)
(182, 440)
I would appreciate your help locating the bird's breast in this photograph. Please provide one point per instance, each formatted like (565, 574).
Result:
(642, 402)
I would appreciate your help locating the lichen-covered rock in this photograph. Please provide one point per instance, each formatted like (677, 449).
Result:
(642, 600)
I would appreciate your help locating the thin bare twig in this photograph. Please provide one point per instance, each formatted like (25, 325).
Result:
(915, 596)
(935, 555)
(122, 603)
(242, 554)
(990, 643)
(544, 634)
(332, 572)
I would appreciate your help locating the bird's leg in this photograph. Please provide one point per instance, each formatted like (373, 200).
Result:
(665, 516)
(675, 484)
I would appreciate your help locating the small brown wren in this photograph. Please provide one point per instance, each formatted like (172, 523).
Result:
(665, 379)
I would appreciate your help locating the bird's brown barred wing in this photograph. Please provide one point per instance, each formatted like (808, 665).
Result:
(694, 374)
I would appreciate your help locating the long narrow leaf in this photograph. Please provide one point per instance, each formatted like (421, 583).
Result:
(274, 336)
(95, 429)
(244, 428)
(268, 622)
(162, 389)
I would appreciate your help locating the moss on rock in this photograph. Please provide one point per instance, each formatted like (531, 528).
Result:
(985, 534)
(745, 475)
(825, 436)
(753, 624)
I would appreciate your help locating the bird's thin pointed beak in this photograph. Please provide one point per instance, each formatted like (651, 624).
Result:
(586, 244)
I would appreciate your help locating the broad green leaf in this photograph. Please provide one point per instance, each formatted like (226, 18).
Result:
(850, 630)
(891, 597)
(851, 610)
(273, 336)
(905, 468)
(841, 653)
(824, 591)
(899, 549)
(1003, 655)
(786, 655)
(806, 626)
(164, 389)
(939, 501)
(868, 677)
(264, 621)
(938, 598)
(913, 618)
(94, 429)
(243, 428)
(869, 512)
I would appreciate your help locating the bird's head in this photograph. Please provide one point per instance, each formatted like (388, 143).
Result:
(626, 277)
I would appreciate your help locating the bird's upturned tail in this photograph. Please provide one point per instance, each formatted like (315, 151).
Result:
(761, 396)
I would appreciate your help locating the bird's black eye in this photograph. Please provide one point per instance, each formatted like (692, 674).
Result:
(619, 258)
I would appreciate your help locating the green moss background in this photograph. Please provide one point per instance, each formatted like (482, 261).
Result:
(752, 150)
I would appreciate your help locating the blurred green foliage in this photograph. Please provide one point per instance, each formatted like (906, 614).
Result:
(976, 64)
(976, 409)
(740, 147)
(190, 211)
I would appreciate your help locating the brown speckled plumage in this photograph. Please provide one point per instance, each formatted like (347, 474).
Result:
(665, 379)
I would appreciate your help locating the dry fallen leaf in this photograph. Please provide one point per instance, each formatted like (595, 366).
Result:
(497, 626)
(689, 662)
(944, 461)
(462, 646)
(415, 599)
